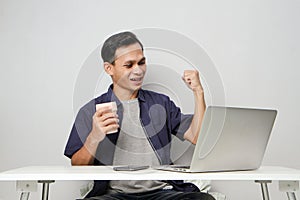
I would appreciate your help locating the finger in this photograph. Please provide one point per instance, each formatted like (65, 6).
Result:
(105, 120)
(111, 128)
(186, 79)
(103, 110)
(191, 73)
(187, 72)
(186, 76)
(106, 116)
(110, 121)
(106, 126)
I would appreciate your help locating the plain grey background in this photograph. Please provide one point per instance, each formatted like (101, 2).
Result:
(254, 45)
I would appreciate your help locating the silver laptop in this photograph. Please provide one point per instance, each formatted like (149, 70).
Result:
(230, 139)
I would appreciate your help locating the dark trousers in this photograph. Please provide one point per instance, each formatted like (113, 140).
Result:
(154, 195)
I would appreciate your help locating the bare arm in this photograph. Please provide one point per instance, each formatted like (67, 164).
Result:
(104, 121)
(191, 78)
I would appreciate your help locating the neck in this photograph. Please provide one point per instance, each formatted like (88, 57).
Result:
(124, 95)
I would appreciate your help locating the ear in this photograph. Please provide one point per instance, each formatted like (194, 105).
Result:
(108, 68)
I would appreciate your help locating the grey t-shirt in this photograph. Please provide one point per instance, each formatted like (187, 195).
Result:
(133, 148)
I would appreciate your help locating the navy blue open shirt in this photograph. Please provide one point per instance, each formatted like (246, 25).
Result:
(159, 117)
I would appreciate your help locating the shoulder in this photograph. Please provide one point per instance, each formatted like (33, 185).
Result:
(87, 109)
(90, 107)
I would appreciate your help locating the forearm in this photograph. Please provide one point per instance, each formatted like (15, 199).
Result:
(86, 155)
(199, 110)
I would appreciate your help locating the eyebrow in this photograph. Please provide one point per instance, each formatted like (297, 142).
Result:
(132, 61)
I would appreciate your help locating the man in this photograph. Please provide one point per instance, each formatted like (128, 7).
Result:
(145, 121)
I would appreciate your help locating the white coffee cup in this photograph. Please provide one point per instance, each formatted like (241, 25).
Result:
(112, 105)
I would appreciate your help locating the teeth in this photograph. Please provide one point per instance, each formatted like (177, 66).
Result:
(136, 79)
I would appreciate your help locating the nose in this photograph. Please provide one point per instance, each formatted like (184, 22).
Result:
(137, 70)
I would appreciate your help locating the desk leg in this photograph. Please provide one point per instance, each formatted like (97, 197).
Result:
(24, 195)
(45, 192)
(264, 189)
(26, 187)
(291, 195)
(290, 187)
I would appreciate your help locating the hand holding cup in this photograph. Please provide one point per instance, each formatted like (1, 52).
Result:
(105, 120)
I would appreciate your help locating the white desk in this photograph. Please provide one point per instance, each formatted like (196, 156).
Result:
(288, 178)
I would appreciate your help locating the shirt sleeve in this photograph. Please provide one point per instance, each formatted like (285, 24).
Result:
(80, 130)
(179, 122)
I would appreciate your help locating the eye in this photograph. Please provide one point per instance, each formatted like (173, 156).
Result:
(128, 65)
(142, 62)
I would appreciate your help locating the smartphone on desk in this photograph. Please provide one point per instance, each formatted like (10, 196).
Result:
(130, 167)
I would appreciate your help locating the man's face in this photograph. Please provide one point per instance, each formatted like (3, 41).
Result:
(129, 68)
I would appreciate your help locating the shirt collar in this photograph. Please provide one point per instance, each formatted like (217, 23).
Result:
(112, 97)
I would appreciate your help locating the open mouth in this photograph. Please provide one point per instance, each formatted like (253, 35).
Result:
(137, 79)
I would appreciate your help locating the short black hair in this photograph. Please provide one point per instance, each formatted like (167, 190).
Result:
(116, 41)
